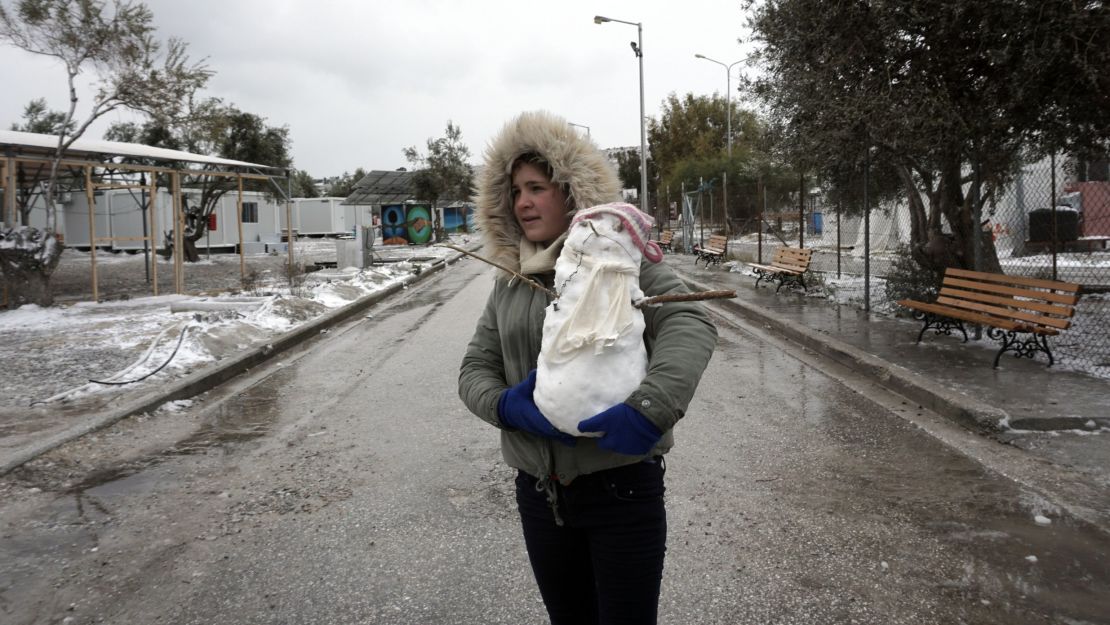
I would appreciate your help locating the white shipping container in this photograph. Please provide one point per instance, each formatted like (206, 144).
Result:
(323, 216)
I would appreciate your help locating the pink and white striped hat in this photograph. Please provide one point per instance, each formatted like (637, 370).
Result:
(637, 223)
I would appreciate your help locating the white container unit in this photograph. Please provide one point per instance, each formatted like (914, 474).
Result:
(119, 216)
(323, 216)
(259, 219)
(125, 214)
(75, 216)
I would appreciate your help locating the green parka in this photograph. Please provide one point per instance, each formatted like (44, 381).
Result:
(679, 336)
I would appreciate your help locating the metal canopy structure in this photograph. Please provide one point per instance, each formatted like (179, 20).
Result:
(382, 187)
(389, 187)
(30, 144)
(91, 165)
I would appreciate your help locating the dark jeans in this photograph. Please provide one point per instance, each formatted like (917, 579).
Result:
(604, 565)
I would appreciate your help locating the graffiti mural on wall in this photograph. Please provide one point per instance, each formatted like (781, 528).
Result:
(405, 224)
(456, 219)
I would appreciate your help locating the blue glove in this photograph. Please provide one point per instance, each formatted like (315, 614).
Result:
(624, 430)
(517, 409)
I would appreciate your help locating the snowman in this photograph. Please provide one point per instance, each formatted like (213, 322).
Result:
(592, 355)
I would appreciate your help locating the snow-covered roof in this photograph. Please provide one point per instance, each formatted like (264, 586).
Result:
(113, 148)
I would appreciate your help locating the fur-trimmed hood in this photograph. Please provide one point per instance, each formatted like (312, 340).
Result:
(577, 165)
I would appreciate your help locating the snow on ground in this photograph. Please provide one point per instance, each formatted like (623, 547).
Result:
(53, 355)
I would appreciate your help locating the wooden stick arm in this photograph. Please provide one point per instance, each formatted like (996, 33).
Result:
(684, 297)
(648, 301)
(530, 282)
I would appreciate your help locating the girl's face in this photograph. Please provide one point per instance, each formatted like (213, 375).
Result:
(539, 205)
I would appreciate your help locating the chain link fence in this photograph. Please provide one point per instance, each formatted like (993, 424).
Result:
(1052, 222)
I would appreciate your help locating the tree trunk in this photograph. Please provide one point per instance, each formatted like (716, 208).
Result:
(935, 249)
(28, 257)
(196, 226)
(192, 255)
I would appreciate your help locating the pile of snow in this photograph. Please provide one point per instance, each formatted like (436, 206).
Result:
(59, 355)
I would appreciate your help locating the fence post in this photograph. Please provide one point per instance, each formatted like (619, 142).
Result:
(760, 209)
(701, 213)
(724, 201)
(1052, 198)
(976, 219)
(866, 231)
(801, 210)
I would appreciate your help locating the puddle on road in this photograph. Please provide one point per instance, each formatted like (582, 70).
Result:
(976, 529)
(96, 480)
(420, 301)
(430, 294)
(1056, 566)
(244, 417)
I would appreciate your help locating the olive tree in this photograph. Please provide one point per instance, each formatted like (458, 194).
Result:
(443, 172)
(215, 128)
(952, 96)
(114, 42)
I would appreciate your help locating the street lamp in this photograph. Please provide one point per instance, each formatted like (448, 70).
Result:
(638, 48)
(728, 116)
(580, 126)
(728, 93)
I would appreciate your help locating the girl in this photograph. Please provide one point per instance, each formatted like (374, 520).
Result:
(591, 509)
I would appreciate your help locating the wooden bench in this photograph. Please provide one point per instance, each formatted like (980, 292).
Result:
(714, 250)
(1011, 307)
(666, 237)
(788, 265)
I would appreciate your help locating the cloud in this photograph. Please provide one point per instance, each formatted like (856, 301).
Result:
(356, 82)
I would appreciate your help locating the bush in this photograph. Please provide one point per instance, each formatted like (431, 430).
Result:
(909, 280)
(251, 282)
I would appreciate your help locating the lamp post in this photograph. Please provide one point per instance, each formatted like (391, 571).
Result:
(728, 93)
(638, 48)
(728, 116)
(580, 126)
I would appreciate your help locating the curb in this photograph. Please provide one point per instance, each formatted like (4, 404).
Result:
(966, 411)
(218, 373)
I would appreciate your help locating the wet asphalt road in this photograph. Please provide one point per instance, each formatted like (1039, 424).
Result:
(348, 484)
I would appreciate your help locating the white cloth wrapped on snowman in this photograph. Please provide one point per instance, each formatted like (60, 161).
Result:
(592, 355)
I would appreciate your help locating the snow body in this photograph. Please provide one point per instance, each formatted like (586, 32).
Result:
(592, 355)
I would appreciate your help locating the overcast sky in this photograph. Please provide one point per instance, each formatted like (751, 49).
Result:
(358, 81)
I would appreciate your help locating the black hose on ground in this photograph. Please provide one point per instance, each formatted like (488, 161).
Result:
(162, 366)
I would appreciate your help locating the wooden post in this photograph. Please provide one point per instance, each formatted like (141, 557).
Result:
(10, 194)
(154, 234)
(239, 221)
(92, 229)
(178, 235)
